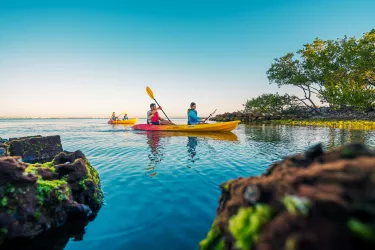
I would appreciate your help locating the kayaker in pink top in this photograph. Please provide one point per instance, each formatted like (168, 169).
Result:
(154, 118)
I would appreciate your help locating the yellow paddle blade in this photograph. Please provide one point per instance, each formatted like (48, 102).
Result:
(150, 93)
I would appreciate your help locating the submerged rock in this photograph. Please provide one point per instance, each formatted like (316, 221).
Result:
(35, 148)
(314, 200)
(37, 197)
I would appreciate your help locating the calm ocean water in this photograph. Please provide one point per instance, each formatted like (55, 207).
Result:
(162, 189)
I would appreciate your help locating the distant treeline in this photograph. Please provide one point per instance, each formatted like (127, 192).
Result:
(340, 73)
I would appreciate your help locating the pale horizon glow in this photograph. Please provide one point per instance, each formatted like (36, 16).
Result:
(90, 58)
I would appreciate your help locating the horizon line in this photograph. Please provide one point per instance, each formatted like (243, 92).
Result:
(77, 117)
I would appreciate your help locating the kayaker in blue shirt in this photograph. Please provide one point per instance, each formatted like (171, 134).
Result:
(125, 117)
(193, 117)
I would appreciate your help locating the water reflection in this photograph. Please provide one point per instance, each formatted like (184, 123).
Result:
(191, 146)
(330, 137)
(156, 152)
(265, 133)
(157, 141)
(338, 137)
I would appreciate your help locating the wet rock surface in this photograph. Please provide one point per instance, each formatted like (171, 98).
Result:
(35, 148)
(313, 200)
(37, 198)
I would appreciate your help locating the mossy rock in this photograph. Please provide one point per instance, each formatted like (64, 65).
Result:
(313, 200)
(35, 148)
(37, 197)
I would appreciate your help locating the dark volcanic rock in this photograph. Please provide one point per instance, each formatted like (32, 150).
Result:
(35, 148)
(310, 201)
(37, 197)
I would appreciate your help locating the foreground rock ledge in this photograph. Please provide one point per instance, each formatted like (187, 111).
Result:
(35, 148)
(314, 200)
(37, 197)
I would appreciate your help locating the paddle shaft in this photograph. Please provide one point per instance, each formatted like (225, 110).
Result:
(120, 114)
(210, 116)
(162, 110)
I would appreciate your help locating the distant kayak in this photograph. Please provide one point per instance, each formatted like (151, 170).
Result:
(130, 121)
(211, 127)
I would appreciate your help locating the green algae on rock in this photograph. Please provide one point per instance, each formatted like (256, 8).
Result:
(38, 197)
(214, 239)
(313, 200)
(245, 226)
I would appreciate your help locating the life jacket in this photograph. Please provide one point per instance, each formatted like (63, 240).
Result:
(191, 119)
(154, 118)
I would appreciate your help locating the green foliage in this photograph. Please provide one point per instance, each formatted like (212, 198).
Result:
(270, 103)
(361, 230)
(246, 225)
(339, 72)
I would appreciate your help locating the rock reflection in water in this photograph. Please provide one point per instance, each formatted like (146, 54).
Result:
(54, 239)
(330, 137)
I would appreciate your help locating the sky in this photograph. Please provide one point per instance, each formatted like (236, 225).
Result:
(88, 58)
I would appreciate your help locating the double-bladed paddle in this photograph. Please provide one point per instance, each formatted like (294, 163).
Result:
(210, 115)
(151, 95)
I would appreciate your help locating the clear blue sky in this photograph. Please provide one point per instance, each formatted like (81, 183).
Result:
(89, 58)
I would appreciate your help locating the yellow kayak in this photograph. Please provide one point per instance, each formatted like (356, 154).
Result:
(210, 127)
(130, 121)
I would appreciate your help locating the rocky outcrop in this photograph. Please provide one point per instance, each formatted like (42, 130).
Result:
(247, 117)
(35, 148)
(313, 200)
(35, 198)
(324, 113)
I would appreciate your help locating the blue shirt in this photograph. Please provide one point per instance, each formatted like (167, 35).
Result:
(193, 117)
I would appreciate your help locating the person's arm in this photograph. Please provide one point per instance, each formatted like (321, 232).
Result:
(150, 114)
(194, 116)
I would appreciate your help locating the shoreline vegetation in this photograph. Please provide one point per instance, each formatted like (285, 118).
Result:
(344, 121)
(338, 74)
